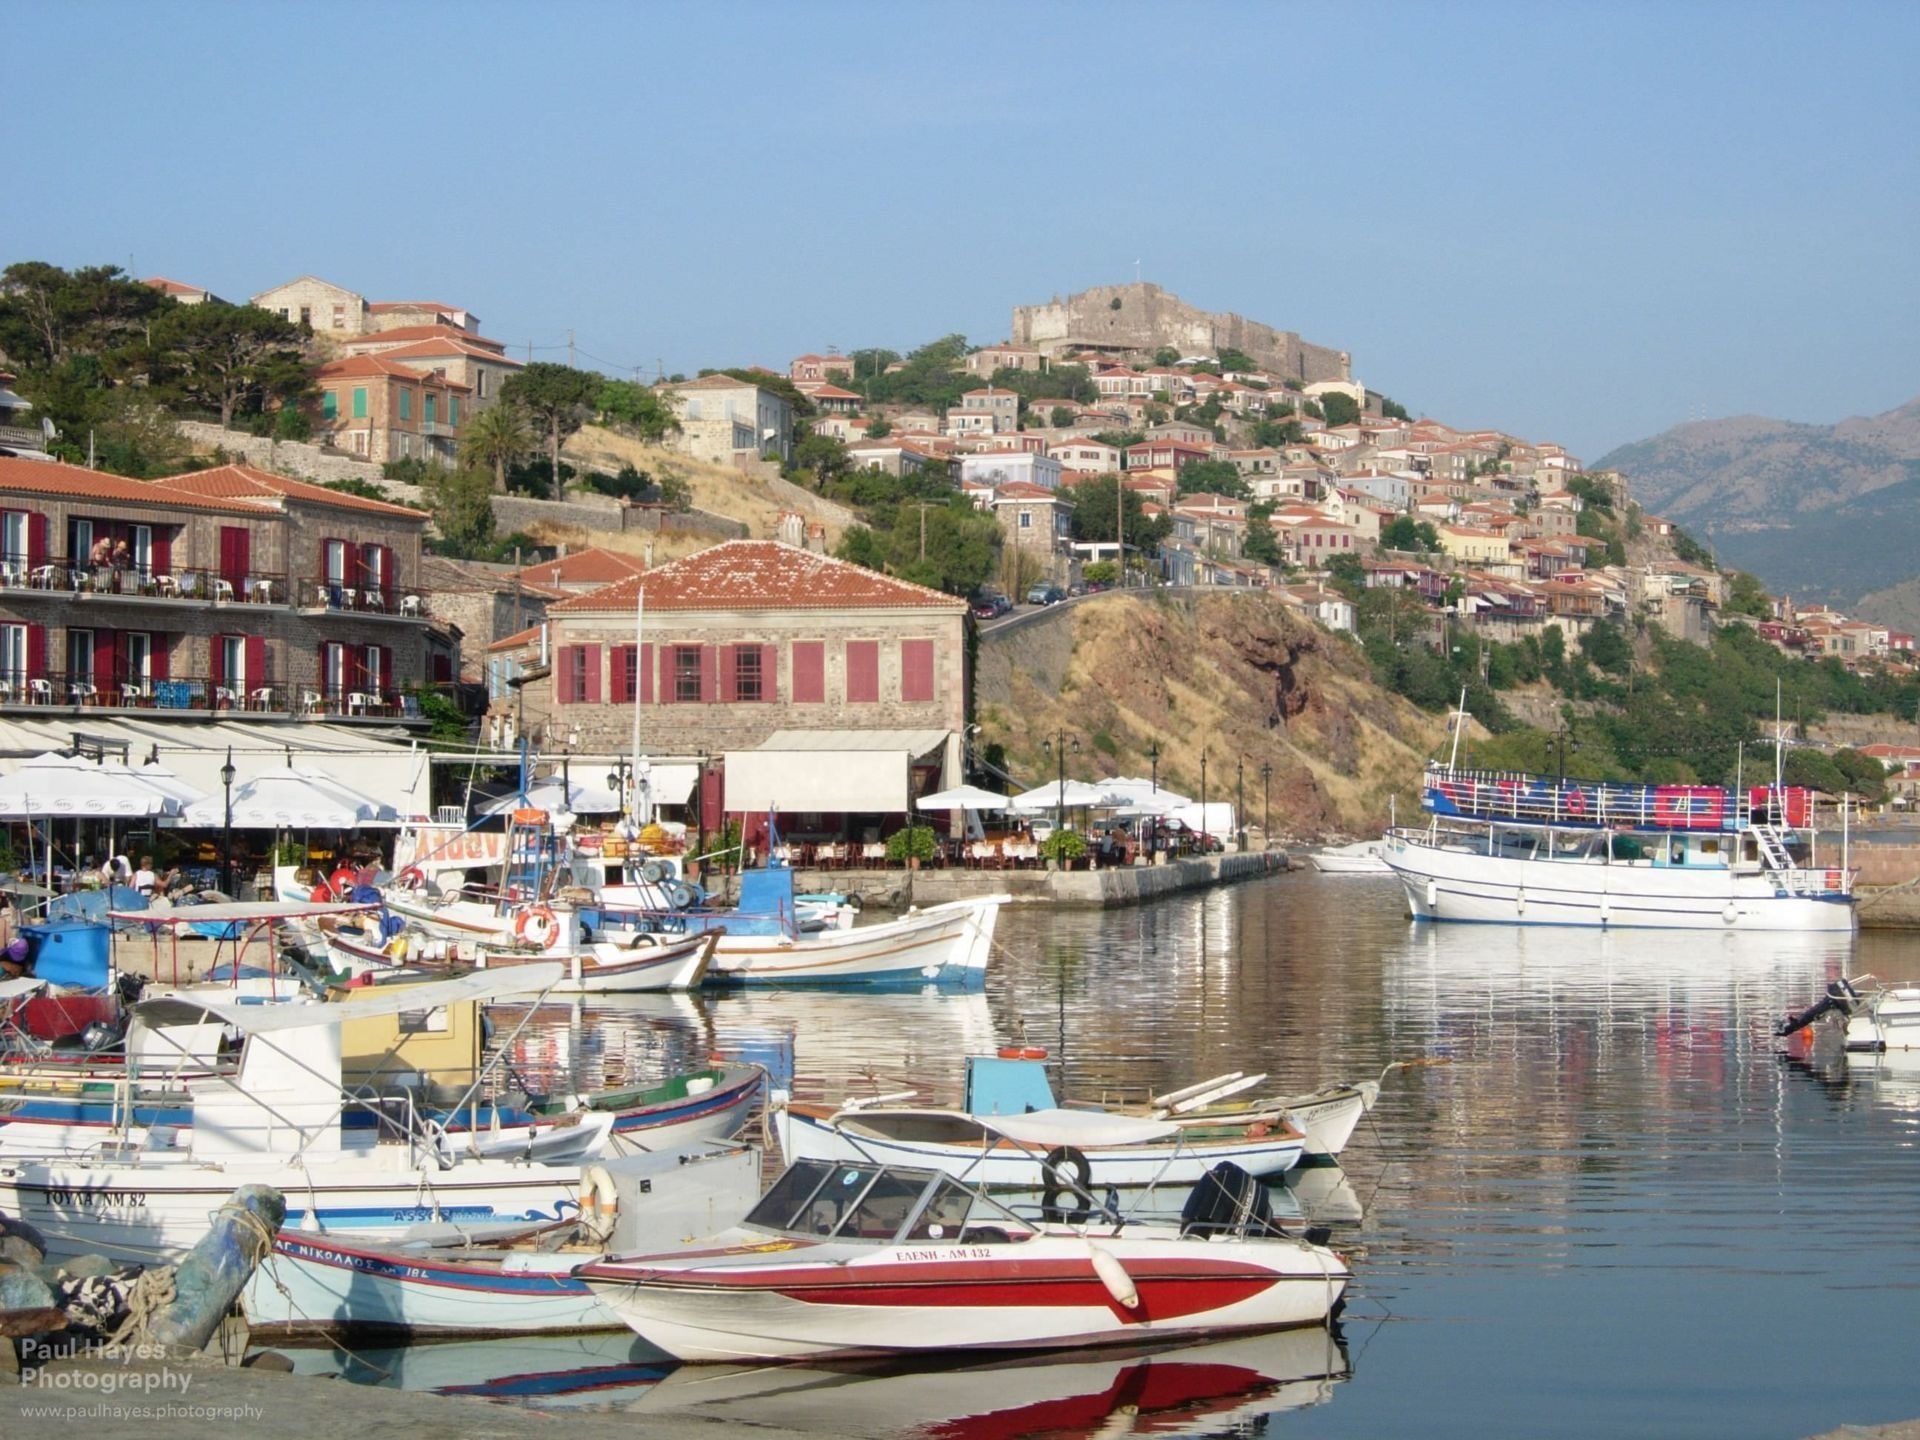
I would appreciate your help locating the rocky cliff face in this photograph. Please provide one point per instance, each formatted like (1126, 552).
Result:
(1238, 677)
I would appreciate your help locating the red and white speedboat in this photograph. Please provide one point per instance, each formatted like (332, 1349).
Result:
(858, 1258)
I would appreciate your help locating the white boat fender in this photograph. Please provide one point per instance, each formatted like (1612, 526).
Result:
(1114, 1276)
(599, 1202)
(1433, 895)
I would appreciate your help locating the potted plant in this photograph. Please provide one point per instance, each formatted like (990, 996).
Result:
(912, 845)
(1063, 847)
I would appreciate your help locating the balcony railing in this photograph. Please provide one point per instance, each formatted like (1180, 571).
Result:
(204, 695)
(362, 598)
(55, 576)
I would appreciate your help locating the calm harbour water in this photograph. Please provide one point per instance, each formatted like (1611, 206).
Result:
(1617, 1208)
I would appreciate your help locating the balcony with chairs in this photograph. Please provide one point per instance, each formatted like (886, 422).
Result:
(204, 696)
(60, 578)
(364, 598)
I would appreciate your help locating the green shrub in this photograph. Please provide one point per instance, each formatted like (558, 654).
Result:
(916, 842)
(1064, 845)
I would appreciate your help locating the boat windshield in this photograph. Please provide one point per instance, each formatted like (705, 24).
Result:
(850, 1200)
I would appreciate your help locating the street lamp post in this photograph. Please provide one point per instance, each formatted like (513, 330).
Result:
(1056, 745)
(1240, 802)
(226, 830)
(1203, 802)
(1153, 759)
(1266, 804)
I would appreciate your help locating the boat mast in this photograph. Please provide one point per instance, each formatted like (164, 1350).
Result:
(632, 808)
(1459, 724)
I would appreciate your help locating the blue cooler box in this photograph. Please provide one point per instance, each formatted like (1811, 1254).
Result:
(69, 952)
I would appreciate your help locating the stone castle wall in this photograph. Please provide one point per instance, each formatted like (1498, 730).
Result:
(1147, 318)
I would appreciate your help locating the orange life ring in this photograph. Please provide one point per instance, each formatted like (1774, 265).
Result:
(1833, 879)
(549, 925)
(342, 880)
(411, 878)
(1022, 1052)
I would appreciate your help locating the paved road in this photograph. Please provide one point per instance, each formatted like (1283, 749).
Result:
(1021, 614)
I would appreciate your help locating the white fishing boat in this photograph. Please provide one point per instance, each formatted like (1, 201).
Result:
(641, 963)
(947, 944)
(1053, 1152)
(849, 1257)
(1535, 850)
(317, 1284)
(1363, 857)
(278, 1120)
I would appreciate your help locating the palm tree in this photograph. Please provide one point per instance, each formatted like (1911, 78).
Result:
(496, 438)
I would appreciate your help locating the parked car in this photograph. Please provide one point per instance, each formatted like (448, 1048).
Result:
(989, 604)
(1045, 593)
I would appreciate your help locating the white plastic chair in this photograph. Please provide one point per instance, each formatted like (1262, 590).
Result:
(40, 692)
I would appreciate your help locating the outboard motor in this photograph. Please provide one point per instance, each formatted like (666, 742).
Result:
(1227, 1201)
(1840, 997)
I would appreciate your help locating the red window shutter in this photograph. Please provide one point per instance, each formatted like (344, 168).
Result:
(386, 670)
(709, 678)
(235, 551)
(256, 661)
(646, 675)
(863, 672)
(563, 675)
(620, 674)
(729, 676)
(162, 550)
(590, 659)
(36, 539)
(770, 672)
(217, 659)
(809, 672)
(161, 653)
(916, 670)
(105, 652)
(36, 652)
(386, 575)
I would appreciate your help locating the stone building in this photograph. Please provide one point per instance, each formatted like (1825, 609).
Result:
(399, 314)
(1143, 318)
(486, 602)
(327, 308)
(181, 292)
(380, 409)
(480, 364)
(820, 687)
(237, 589)
(989, 358)
(727, 421)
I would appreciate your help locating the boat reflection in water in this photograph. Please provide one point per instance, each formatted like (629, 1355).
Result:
(1188, 1389)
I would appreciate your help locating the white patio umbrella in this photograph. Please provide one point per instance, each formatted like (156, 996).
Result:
(71, 788)
(963, 797)
(291, 799)
(1072, 795)
(169, 784)
(1141, 795)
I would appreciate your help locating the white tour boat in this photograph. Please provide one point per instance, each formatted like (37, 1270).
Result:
(1363, 857)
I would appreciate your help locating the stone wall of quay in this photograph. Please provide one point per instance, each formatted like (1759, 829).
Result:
(1108, 888)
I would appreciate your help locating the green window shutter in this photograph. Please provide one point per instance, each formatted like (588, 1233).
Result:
(453, 409)
(432, 408)
(406, 404)
(359, 402)
(329, 405)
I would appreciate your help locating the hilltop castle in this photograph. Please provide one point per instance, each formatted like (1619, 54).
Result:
(1124, 319)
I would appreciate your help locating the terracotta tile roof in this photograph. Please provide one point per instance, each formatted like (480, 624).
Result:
(263, 488)
(1026, 490)
(48, 477)
(371, 365)
(760, 575)
(833, 392)
(426, 349)
(596, 566)
(520, 637)
(407, 334)
(382, 306)
(173, 287)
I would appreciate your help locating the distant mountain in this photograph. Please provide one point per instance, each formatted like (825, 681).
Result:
(1827, 512)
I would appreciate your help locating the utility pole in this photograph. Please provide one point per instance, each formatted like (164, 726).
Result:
(923, 529)
(570, 364)
(1240, 801)
(1120, 526)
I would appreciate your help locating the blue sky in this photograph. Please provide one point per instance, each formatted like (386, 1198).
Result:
(1576, 222)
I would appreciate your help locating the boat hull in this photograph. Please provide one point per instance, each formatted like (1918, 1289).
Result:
(903, 1300)
(1010, 1167)
(945, 944)
(140, 1212)
(1455, 885)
